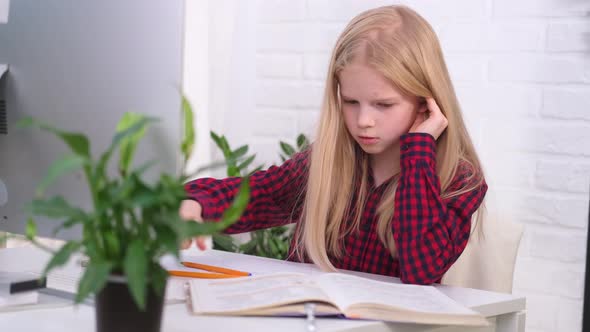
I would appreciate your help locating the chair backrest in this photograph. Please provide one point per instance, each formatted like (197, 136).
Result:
(488, 260)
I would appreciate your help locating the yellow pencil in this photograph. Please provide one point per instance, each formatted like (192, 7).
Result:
(200, 275)
(216, 269)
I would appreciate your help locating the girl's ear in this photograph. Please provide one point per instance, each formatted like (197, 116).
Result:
(423, 105)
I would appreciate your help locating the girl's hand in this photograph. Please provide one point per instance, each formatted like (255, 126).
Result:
(430, 120)
(192, 210)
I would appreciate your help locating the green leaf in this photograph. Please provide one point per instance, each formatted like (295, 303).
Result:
(93, 280)
(222, 144)
(224, 242)
(287, 149)
(133, 192)
(26, 122)
(167, 239)
(159, 278)
(260, 167)
(144, 167)
(91, 248)
(135, 267)
(62, 256)
(59, 168)
(128, 144)
(283, 246)
(216, 139)
(239, 204)
(239, 152)
(213, 165)
(274, 250)
(192, 229)
(248, 247)
(31, 229)
(302, 142)
(170, 196)
(246, 163)
(145, 199)
(112, 245)
(225, 147)
(117, 139)
(230, 216)
(69, 223)
(233, 171)
(56, 207)
(123, 191)
(188, 140)
(78, 143)
(276, 231)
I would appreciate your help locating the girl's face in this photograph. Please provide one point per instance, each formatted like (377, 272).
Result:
(375, 112)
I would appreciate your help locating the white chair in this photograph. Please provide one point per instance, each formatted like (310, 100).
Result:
(488, 260)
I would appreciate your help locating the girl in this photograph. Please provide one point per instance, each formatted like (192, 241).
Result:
(392, 180)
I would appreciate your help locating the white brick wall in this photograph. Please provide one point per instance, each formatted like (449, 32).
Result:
(522, 73)
(576, 100)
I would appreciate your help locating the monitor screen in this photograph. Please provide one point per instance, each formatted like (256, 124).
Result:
(586, 313)
(80, 65)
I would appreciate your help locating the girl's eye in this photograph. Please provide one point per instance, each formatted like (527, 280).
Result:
(351, 102)
(384, 105)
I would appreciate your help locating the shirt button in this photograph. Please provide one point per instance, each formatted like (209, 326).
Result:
(405, 147)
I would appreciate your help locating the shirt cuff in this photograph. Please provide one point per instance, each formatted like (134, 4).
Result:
(417, 146)
(208, 210)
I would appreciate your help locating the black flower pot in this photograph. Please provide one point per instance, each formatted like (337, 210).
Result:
(116, 310)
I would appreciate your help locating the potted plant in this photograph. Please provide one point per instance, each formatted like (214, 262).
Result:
(131, 225)
(270, 242)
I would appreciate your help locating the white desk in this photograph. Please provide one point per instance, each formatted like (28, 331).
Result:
(505, 312)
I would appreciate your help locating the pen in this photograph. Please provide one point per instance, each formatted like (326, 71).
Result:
(309, 311)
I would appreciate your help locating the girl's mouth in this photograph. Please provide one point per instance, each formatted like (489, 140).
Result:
(367, 140)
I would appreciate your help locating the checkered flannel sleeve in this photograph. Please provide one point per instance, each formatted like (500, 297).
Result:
(275, 197)
(430, 232)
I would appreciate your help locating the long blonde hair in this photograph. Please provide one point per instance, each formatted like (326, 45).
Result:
(403, 47)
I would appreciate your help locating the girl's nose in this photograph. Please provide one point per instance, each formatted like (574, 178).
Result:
(365, 118)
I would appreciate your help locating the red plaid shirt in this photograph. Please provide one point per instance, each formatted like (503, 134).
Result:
(430, 233)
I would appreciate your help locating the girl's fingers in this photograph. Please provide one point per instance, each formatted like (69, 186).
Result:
(435, 111)
(186, 244)
(433, 106)
(201, 242)
(430, 119)
(191, 211)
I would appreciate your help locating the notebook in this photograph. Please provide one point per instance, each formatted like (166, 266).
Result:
(333, 294)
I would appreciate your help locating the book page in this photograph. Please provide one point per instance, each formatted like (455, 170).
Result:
(346, 290)
(249, 293)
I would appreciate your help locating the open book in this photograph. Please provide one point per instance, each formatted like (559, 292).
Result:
(333, 293)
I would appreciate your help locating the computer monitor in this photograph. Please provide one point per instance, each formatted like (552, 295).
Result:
(80, 65)
(586, 310)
